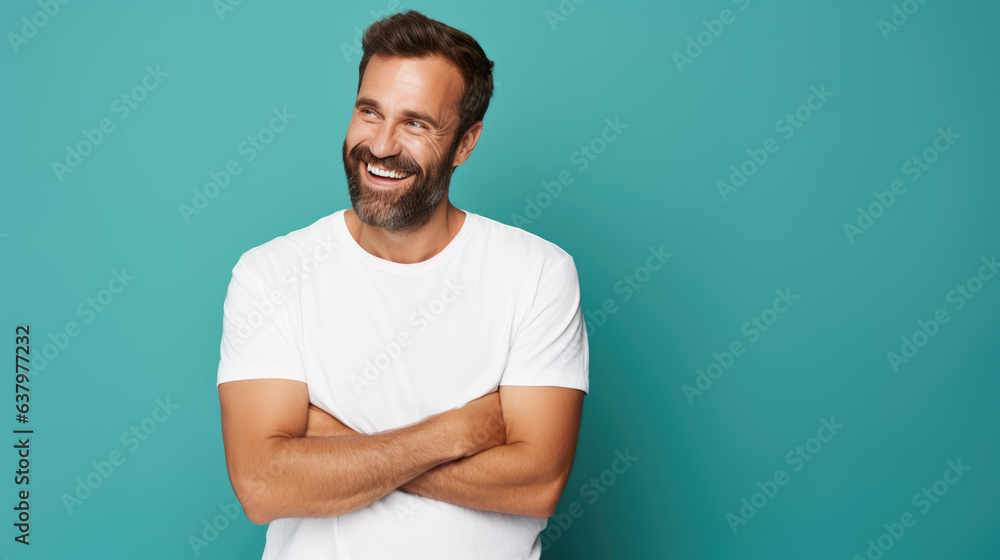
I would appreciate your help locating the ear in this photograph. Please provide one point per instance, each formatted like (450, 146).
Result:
(468, 142)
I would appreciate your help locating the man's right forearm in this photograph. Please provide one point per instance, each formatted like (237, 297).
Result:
(331, 476)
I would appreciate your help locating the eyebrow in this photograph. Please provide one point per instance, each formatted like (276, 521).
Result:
(408, 113)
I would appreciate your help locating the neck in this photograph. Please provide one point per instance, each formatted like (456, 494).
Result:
(413, 246)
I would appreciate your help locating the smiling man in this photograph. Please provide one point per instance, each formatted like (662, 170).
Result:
(404, 379)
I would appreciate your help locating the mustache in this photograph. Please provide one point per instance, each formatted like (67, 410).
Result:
(406, 165)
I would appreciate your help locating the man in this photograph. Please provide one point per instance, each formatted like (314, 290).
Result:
(404, 379)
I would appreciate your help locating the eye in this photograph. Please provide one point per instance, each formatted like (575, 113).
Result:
(417, 123)
(363, 111)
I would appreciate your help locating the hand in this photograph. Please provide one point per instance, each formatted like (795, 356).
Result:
(322, 424)
(482, 424)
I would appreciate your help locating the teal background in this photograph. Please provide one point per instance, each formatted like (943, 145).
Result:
(655, 185)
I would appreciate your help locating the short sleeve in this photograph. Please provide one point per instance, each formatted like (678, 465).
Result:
(253, 346)
(551, 346)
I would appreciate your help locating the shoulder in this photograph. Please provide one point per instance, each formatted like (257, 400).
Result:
(521, 248)
(291, 251)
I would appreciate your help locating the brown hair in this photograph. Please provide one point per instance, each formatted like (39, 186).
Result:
(412, 34)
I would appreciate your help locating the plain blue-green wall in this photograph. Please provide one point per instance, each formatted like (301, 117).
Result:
(687, 112)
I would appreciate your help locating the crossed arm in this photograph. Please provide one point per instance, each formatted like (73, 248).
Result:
(289, 459)
(525, 476)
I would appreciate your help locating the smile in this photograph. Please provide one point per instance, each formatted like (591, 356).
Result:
(387, 174)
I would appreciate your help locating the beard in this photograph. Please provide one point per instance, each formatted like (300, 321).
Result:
(402, 208)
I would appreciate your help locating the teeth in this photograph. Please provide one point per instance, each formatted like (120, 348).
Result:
(384, 173)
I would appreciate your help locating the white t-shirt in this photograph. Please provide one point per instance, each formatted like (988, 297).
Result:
(383, 345)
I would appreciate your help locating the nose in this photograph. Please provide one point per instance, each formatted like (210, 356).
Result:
(384, 142)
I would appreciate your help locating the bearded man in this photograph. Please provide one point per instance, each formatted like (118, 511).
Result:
(404, 379)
